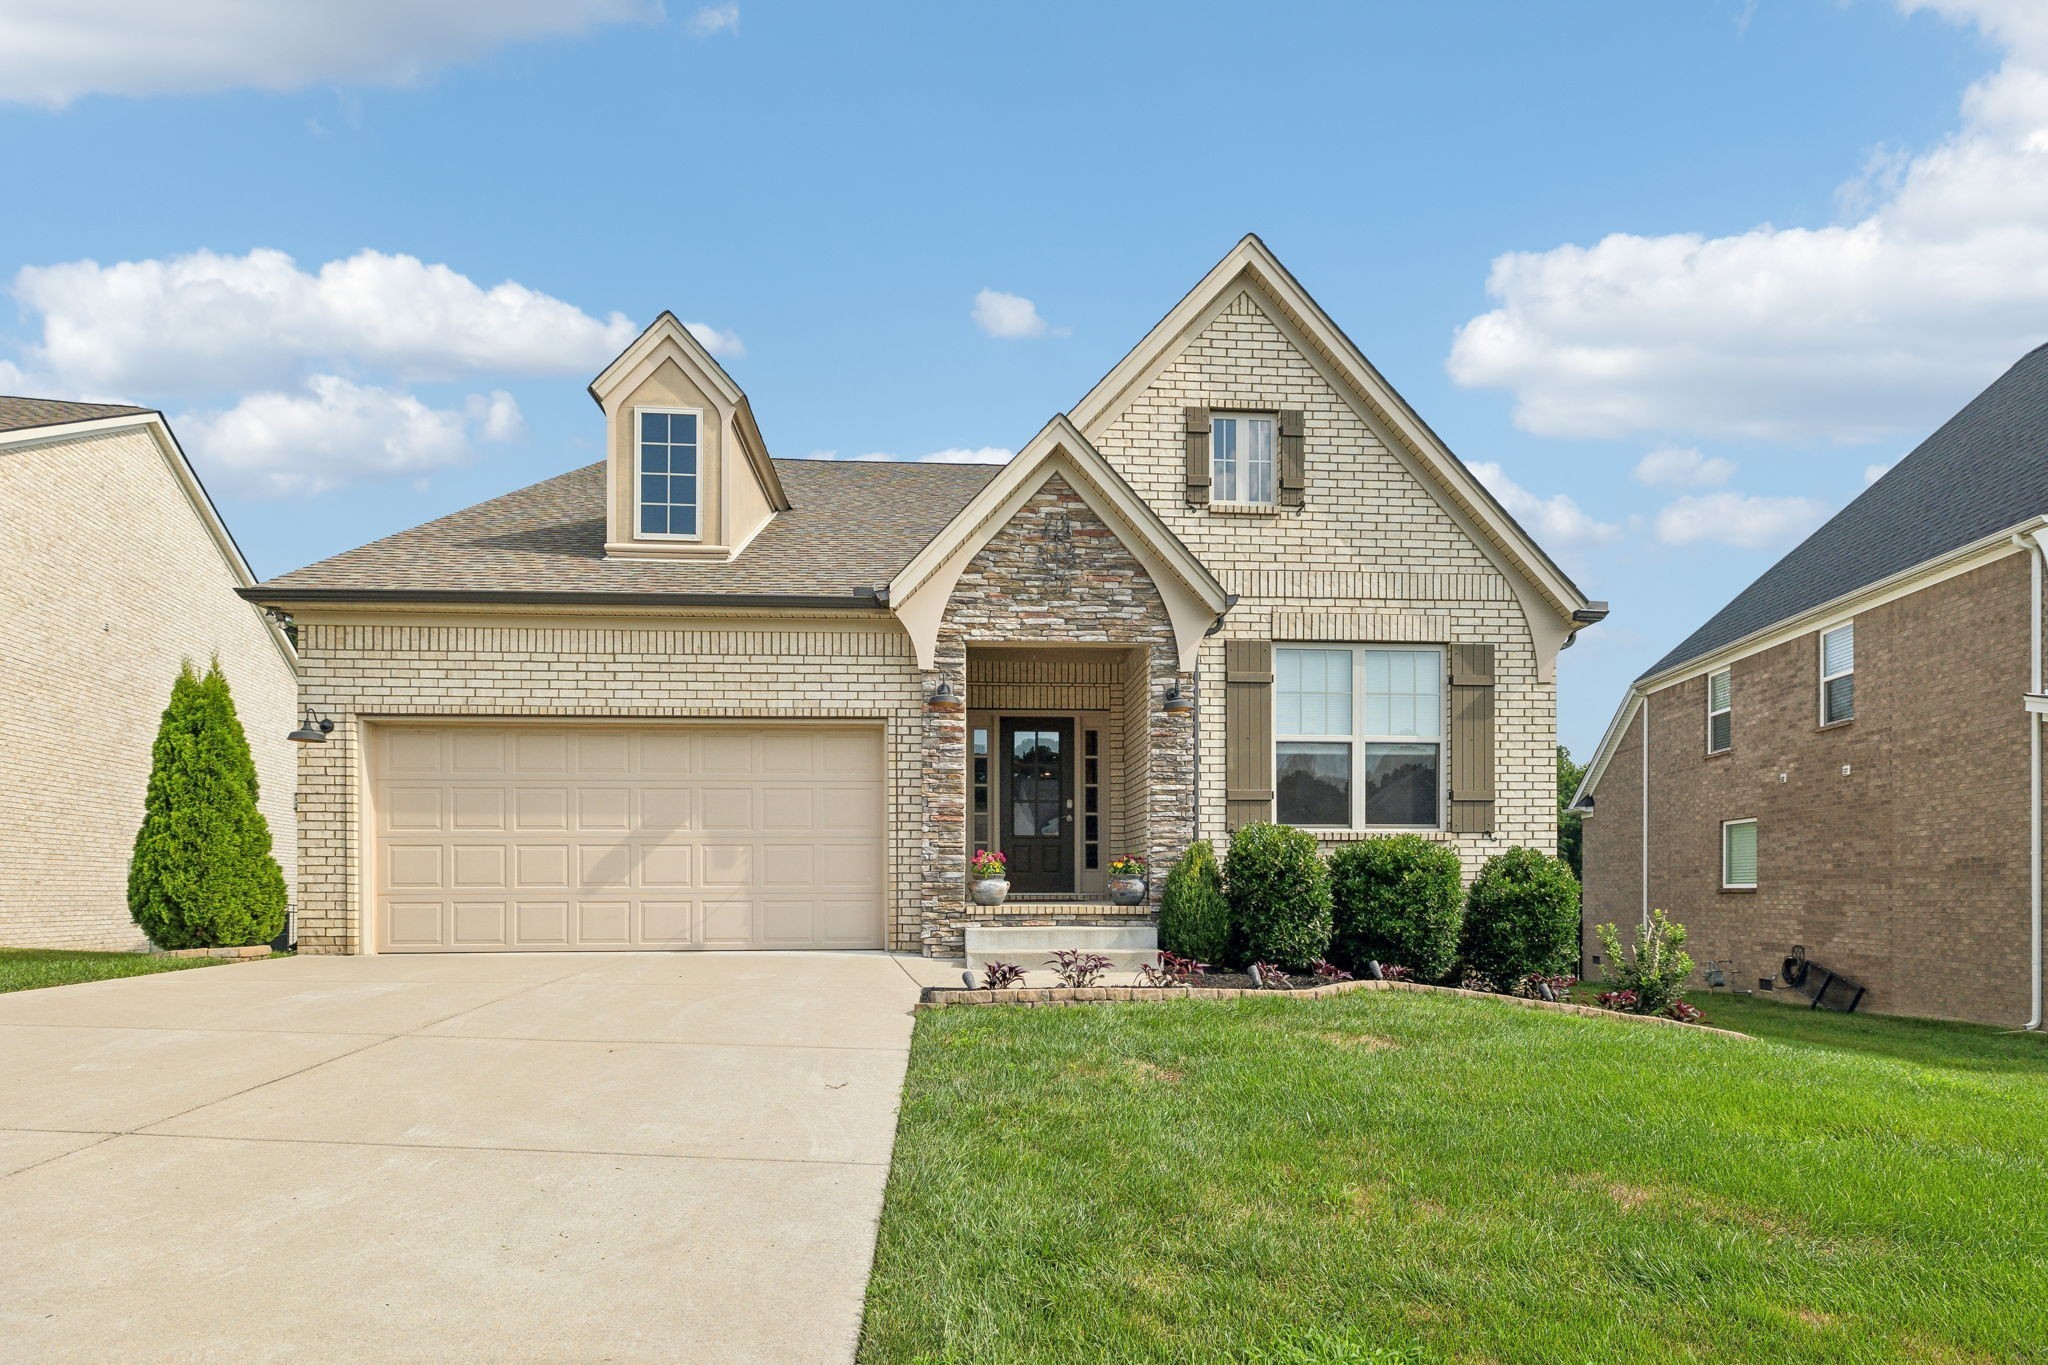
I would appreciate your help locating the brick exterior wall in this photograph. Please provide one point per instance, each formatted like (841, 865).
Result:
(1014, 592)
(110, 580)
(1370, 557)
(1908, 872)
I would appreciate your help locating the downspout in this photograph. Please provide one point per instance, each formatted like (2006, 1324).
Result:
(2036, 551)
(1646, 813)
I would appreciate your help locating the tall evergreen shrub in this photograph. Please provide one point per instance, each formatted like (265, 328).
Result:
(202, 875)
(1522, 916)
(1194, 918)
(1398, 900)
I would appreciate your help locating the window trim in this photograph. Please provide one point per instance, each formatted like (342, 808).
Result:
(1239, 415)
(1826, 677)
(1358, 739)
(1727, 885)
(1728, 711)
(639, 450)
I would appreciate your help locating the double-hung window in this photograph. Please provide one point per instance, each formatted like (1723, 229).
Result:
(1738, 855)
(1838, 674)
(1720, 712)
(666, 483)
(1358, 736)
(1241, 448)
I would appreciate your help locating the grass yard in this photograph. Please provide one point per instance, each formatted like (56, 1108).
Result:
(26, 969)
(1395, 1176)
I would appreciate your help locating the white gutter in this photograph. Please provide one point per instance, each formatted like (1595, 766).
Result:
(1646, 814)
(2034, 703)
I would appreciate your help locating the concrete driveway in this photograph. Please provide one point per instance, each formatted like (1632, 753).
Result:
(503, 1157)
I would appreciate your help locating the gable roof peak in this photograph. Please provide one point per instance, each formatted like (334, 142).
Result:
(665, 327)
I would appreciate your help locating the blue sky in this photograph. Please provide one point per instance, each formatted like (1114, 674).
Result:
(373, 253)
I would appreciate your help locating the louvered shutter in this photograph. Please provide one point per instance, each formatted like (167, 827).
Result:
(1293, 459)
(1194, 426)
(1472, 739)
(1247, 731)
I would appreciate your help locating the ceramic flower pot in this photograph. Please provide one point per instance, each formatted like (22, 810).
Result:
(990, 891)
(1127, 890)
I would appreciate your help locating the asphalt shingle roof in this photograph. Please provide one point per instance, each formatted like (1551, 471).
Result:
(850, 526)
(19, 414)
(1984, 471)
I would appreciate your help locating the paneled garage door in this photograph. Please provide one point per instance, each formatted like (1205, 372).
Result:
(491, 838)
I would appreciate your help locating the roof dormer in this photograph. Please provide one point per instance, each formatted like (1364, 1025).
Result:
(687, 473)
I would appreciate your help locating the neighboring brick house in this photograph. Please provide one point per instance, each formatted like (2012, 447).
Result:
(1839, 761)
(114, 569)
(695, 697)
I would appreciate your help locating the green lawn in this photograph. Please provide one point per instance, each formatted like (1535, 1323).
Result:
(1394, 1176)
(25, 969)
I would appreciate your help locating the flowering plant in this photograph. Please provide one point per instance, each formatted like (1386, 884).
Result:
(987, 865)
(1127, 866)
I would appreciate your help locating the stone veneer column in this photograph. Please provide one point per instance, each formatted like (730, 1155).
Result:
(945, 797)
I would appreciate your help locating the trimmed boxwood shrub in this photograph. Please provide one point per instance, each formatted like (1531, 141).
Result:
(202, 875)
(1279, 891)
(1194, 918)
(1397, 900)
(1522, 916)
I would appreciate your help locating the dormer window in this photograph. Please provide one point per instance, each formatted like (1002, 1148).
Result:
(1241, 458)
(666, 477)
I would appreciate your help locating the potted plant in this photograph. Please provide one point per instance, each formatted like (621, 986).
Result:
(988, 872)
(1127, 881)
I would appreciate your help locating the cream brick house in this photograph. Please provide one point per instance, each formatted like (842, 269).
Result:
(695, 697)
(114, 568)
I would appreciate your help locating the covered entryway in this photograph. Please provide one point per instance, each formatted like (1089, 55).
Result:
(501, 837)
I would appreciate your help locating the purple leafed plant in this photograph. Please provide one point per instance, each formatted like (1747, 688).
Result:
(1171, 970)
(1618, 1000)
(1270, 975)
(1396, 972)
(1684, 1013)
(1001, 976)
(1330, 971)
(1076, 968)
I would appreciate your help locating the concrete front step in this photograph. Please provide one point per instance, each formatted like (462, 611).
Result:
(1127, 946)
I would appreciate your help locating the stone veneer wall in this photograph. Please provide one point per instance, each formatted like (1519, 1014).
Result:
(1013, 593)
(621, 670)
(1372, 556)
(110, 580)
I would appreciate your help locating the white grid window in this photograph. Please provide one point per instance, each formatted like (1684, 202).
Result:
(1241, 458)
(665, 496)
(1720, 712)
(1358, 737)
(1838, 674)
(1738, 855)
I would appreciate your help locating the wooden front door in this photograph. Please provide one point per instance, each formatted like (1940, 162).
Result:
(1037, 803)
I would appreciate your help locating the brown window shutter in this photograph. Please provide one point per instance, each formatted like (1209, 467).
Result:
(1472, 739)
(1194, 440)
(1293, 459)
(1247, 731)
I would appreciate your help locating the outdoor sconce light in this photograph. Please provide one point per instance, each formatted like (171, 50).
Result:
(943, 699)
(312, 731)
(1178, 703)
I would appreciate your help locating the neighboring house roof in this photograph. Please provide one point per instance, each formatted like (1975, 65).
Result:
(851, 525)
(19, 414)
(1984, 472)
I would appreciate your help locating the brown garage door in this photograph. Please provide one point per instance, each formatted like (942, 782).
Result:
(493, 838)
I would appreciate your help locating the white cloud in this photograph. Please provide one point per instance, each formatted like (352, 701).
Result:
(1683, 467)
(715, 19)
(952, 455)
(54, 51)
(724, 345)
(334, 433)
(1556, 520)
(199, 322)
(1737, 519)
(1849, 332)
(1873, 472)
(1009, 316)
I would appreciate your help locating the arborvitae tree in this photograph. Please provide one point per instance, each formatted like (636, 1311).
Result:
(202, 875)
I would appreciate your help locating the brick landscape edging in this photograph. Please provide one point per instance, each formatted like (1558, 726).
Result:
(940, 997)
(252, 950)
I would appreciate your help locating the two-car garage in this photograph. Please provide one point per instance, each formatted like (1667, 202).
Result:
(494, 837)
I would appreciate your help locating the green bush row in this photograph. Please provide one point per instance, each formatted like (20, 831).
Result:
(1394, 900)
